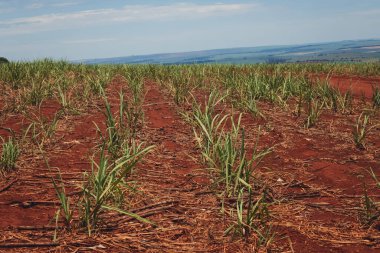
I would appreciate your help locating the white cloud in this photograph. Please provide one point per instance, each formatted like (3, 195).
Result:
(88, 41)
(131, 13)
(65, 4)
(35, 5)
(41, 4)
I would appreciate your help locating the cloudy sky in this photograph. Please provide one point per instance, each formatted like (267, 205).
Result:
(83, 29)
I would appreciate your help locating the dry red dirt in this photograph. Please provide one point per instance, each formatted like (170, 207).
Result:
(358, 86)
(316, 176)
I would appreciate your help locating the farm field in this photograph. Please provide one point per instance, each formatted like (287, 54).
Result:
(189, 158)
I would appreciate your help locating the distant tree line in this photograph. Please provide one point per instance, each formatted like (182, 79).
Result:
(275, 60)
(3, 60)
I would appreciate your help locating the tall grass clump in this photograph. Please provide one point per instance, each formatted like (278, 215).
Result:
(345, 102)
(41, 129)
(122, 127)
(98, 80)
(65, 212)
(224, 150)
(376, 98)
(132, 107)
(252, 218)
(102, 191)
(314, 110)
(369, 213)
(209, 124)
(360, 130)
(105, 186)
(9, 155)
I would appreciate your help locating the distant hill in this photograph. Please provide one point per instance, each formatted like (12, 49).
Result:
(342, 51)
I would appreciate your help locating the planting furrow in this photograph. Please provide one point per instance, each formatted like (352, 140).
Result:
(34, 188)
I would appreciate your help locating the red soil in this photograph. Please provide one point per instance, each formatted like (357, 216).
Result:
(317, 174)
(359, 86)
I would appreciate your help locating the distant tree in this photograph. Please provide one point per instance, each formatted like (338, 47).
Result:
(3, 60)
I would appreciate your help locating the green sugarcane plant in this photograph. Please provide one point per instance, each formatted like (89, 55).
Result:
(105, 180)
(65, 211)
(314, 111)
(9, 155)
(360, 130)
(376, 97)
(252, 216)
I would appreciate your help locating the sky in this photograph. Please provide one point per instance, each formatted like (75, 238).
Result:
(88, 29)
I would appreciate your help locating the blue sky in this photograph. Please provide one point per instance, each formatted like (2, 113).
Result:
(83, 29)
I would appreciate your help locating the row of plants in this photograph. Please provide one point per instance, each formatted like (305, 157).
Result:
(245, 86)
(220, 136)
(224, 150)
(243, 197)
(75, 85)
(105, 187)
(304, 97)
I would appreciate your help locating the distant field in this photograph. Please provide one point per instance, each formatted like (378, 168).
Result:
(343, 51)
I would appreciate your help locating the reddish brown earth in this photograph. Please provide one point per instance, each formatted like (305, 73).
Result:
(359, 86)
(316, 176)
